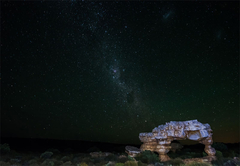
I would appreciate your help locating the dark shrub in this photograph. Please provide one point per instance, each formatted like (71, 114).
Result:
(198, 164)
(122, 159)
(46, 155)
(186, 150)
(175, 162)
(87, 160)
(173, 155)
(147, 157)
(219, 146)
(217, 162)
(194, 154)
(141, 164)
(204, 154)
(4, 149)
(111, 157)
(98, 160)
(101, 163)
(93, 149)
(219, 155)
(65, 159)
(130, 158)
(158, 164)
(110, 163)
(119, 164)
(131, 163)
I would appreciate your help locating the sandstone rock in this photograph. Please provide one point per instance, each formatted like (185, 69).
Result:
(235, 158)
(132, 151)
(198, 160)
(159, 140)
(100, 154)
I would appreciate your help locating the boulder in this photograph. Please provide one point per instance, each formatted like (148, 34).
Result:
(159, 140)
(132, 151)
(100, 154)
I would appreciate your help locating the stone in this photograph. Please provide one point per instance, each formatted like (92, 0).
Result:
(132, 151)
(159, 140)
(110, 163)
(122, 158)
(158, 164)
(235, 158)
(46, 155)
(198, 160)
(100, 154)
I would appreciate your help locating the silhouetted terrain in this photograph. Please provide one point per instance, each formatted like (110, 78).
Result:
(44, 152)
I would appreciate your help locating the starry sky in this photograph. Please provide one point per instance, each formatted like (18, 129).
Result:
(106, 71)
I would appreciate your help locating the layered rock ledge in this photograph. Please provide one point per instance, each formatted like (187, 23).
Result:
(159, 140)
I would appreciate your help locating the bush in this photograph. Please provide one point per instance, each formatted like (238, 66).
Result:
(175, 162)
(97, 160)
(231, 162)
(219, 155)
(141, 164)
(198, 164)
(159, 164)
(217, 162)
(87, 160)
(4, 149)
(46, 155)
(51, 162)
(65, 158)
(122, 159)
(102, 163)
(173, 155)
(119, 164)
(131, 163)
(194, 154)
(93, 149)
(232, 154)
(111, 157)
(130, 158)
(219, 146)
(110, 163)
(147, 157)
(204, 154)
(83, 164)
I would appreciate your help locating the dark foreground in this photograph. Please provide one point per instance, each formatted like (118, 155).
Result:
(45, 152)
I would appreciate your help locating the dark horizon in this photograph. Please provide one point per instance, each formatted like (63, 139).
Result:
(107, 71)
(38, 144)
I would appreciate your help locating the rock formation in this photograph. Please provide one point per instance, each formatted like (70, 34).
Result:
(159, 140)
(132, 151)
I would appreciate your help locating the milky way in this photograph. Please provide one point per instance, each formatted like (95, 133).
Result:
(106, 71)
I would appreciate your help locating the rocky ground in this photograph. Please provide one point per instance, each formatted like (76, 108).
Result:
(53, 157)
(192, 155)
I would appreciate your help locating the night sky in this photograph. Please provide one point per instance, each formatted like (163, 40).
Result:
(106, 71)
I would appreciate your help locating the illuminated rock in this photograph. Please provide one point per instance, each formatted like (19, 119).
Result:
(205, 159)
(159, 140)
(132, 151)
